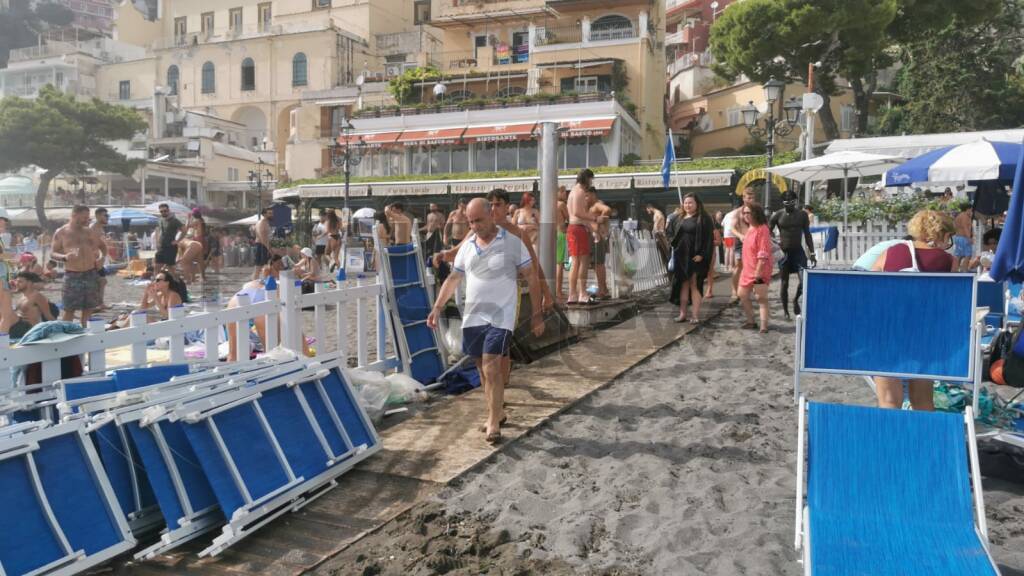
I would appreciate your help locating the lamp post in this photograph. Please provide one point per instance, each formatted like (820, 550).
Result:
(257, 178)
(345, 156)
(768, 127)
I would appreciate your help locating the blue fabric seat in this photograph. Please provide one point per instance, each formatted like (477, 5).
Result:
(412, 305)
(889, 493)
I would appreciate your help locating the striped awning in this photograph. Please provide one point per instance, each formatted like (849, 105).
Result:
(593, 127)
(373, 140)
(431, 137)
(499, 133)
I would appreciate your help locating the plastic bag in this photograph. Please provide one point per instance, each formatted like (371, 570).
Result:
(372, 389)
(403, 389)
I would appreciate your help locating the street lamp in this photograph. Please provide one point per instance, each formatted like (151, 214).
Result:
(768, 127)
(257, 178)
(346, 156)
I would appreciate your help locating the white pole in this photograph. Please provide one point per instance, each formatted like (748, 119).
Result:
(548, 199)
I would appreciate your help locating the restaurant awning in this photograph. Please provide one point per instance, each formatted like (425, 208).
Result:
(374, 140)
(592, 127)
(431, 137)
(499, 133)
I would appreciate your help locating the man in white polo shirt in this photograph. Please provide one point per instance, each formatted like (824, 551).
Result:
(491, 260)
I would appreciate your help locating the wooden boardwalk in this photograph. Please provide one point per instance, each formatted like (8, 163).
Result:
(423, 453)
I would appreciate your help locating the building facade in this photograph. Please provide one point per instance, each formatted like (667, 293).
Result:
(498, 68)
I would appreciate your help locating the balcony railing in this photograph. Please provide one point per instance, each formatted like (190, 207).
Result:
(486, 103)
(616, 32)
(469, 59)
(674, 38)
(690, 60)
(573, 34)
(559, 35)
(238, 33)
(44, 51)
(410, 42)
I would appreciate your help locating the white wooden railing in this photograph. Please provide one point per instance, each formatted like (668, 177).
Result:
(283, 315)
(650, 270)
(858, 238)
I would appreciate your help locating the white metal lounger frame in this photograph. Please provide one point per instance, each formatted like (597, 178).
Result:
(74, 561)
(975, 362)
(298, 491)
(802, 536)
(395, 322)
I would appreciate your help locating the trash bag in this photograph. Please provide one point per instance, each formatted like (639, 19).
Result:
(372, 389)
(403, 389)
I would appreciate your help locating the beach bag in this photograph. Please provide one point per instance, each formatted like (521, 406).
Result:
(671, 267)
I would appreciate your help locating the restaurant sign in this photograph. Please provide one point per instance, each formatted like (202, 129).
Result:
(686, 180)
(354, 190)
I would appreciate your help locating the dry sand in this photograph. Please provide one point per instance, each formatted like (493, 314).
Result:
(685, 465)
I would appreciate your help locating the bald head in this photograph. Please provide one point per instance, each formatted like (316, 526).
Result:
(478, 212)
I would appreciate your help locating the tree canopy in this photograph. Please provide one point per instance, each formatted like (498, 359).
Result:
(847, 39)
(58, 133)
(964, 77)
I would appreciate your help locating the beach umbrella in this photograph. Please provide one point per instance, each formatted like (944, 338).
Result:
(982, 160)
(366, 212)
(177, 209)
(837, 165)
(1008, 263)
(137, 217)
(247, 221)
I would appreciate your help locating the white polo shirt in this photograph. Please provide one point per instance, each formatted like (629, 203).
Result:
(492, 289)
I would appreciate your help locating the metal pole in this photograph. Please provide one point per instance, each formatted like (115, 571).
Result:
(769, 152)
(548, 199)
(846, 184)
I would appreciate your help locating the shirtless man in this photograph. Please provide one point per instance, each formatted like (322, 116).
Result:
(963, 241)
(602, 214)
(581, 225)
(457, 226)
(658, 230)
(433, 232)
(401, 224)
(739, 230)
(561, 223)
(32, 305)
(100, 225)
(794, 229)
(262, 247)
(82, 249)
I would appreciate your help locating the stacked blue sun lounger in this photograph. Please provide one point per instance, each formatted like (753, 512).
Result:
(60, 514)
(409, 301)
(889, 492)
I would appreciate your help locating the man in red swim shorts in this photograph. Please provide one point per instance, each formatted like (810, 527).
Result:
(581, 223)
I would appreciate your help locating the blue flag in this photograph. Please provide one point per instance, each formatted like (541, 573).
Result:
(670, 159)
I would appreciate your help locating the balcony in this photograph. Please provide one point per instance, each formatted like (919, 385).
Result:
(463, 12)
(689, 60)
(483, 59)
(610, 30)
(675, 38)
(486, 103)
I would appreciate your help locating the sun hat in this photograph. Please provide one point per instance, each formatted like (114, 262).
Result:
(306, 252)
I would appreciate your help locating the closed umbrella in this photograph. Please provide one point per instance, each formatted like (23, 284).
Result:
(982, 160)
(1008, 263)
(838, 165)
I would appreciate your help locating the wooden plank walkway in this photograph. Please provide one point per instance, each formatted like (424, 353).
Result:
(428, 450)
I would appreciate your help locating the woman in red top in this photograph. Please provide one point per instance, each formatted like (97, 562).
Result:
(757, 266)
(933, 233)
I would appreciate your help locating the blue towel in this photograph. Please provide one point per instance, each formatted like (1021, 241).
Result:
(459, 381)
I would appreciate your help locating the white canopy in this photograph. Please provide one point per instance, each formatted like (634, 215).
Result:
(837, 165)
(915, 145)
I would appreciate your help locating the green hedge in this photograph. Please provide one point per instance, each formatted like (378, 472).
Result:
(741, 165)
(896, 209)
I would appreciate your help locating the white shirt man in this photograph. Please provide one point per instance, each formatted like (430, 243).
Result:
(492, 288)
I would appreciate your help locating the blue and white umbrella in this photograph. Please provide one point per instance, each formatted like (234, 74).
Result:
(137, 217)
(976, 161)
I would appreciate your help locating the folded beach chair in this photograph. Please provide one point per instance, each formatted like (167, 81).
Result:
(409, 301)
(889, 492)
(60, 515)
(991, 295)
(271, 448)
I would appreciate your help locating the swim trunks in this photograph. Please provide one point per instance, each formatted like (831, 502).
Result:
(962, 247)
(167, 255)
(261, 254)
(579, 240)
(81, 290)
(600, 252)
(560, 248)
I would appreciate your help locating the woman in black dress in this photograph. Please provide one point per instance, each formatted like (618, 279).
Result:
(692, 235)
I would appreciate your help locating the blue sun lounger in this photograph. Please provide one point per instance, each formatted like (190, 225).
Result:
(60, 515)
(272, 448)
(409, 300)
(897, 325)
(889, 493)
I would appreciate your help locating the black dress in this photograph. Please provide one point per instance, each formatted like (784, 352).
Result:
(691, 237)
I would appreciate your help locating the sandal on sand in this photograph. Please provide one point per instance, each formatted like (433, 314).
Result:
(750, 326)
(494, 438)
(694, 320)
(763, 330)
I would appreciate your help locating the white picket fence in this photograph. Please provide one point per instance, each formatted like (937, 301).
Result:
(283, 311)
(650, 270)
(859, 237)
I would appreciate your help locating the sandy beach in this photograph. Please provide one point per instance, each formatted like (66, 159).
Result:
(684, 465)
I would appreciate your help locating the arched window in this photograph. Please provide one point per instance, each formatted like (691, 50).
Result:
(612, 27)
(511, 91)
(248, 74)
(209, 78)
(459, 96)
(172, 80)
(300, 72)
